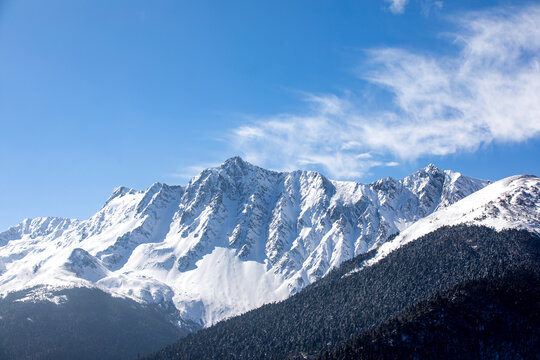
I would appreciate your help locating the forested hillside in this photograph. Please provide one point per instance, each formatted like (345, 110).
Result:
(352, 300)
(492, 318)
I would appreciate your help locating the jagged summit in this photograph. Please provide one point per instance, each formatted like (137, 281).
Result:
(236, 161)
(238, 167)
(119, 192)
(431, 168)
(430, 171)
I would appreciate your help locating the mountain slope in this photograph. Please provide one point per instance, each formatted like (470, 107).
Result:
(346, 304)
(236, 237)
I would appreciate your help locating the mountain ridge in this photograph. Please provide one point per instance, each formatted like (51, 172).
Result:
(253, 234)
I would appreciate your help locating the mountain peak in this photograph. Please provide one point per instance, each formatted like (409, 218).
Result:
(119, 192)
(431, 168)
(235, 161)
(237, 166)
(430, 171)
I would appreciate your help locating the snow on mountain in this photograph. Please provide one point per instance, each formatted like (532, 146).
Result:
(511, 203)
(236, 237)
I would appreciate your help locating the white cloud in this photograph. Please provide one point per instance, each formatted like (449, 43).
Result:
(190, 171)
(426, 6)
(397, 6)
(489, 90)
(429, 6)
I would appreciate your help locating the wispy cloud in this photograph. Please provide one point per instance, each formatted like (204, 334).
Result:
(325, 135)
(397, 6)
(429, 6)
(489, 90)
(191, 171)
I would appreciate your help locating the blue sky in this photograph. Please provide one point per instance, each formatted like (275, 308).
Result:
(96, 94)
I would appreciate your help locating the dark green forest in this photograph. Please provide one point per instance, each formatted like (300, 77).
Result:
(340, 307)
(89, 325)
(495, 318)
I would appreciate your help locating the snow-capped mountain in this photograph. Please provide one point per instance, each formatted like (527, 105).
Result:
(511, 203)
(236, 237)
